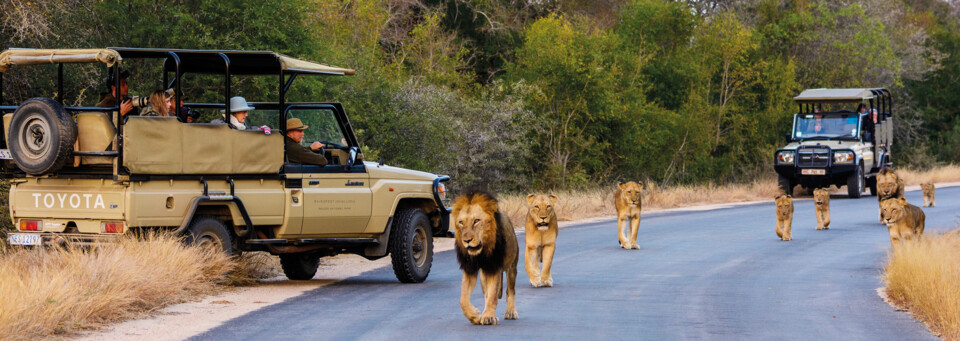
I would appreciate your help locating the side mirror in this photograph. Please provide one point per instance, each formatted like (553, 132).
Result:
(789, 138)
(351, 156)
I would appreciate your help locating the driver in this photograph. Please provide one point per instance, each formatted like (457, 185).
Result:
(297, 153)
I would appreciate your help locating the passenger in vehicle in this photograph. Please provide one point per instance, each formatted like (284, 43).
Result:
(160, 104)
(297, 153)
(107, 99)
(238, 114)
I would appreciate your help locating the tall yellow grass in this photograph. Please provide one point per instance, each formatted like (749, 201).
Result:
(923, 277)
(56, 291)
(948, 173)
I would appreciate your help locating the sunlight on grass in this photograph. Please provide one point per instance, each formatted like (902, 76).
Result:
(923, 277)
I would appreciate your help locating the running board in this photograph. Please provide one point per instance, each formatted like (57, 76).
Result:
(314, 241)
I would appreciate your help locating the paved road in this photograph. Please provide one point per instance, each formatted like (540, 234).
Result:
(719, 274)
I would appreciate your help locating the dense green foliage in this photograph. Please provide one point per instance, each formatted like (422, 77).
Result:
(520, 94)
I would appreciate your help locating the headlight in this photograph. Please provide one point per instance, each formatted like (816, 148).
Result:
(843, 157)
(442, 191)
(785, 157)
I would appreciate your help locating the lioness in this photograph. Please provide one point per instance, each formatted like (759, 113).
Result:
(928, 194)
(889, 185)
(627, 200)
(903, 219)
(485, 243)
(784, 216)
(541, 234)
(821, 208)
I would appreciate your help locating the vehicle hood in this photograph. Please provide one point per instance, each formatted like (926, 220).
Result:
(833, 144)
(377, 171)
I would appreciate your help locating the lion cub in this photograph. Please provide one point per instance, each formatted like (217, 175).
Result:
(784, 216)
(821, 205)
(541, 234)
(627, 200)
(485, 244)
(903, 219)
(928, 194)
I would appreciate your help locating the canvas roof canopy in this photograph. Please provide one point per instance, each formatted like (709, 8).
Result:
(191, 61)
(836, 95)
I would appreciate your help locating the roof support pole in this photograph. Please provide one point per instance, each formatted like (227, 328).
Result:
(282, 113)
(118, 122)
(176, 78)
(226, 83)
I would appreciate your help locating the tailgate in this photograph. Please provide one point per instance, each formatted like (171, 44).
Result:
(67, 199)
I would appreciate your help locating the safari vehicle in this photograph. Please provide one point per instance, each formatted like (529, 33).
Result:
(834, 143)
(86, 174)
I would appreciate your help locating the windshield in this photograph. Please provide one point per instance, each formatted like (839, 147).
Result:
(810, 126)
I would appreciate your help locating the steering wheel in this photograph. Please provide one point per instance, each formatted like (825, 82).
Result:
(332, 145)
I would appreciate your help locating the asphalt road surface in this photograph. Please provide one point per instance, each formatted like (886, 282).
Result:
(718, 275)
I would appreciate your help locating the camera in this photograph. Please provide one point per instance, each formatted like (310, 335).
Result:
(188, 115)
(139, 102)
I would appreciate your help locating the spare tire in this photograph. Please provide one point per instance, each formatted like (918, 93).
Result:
(42, 135)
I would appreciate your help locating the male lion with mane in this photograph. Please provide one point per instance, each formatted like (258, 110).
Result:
(889, 185)
(485, 244)
(904, 221)
(627, 200)
(541, 235)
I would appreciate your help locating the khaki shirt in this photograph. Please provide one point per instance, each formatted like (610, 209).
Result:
(297, 153)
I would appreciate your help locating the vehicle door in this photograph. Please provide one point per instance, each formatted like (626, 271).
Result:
(336, 198)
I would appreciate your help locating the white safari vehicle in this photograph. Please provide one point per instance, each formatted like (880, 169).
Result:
(86, 174)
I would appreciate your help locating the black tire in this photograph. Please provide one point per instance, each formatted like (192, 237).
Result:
(785, 184)
(411, 245)
(872, 185)
(300, 266)
(42, 135)
(208, 231)
(855, 183)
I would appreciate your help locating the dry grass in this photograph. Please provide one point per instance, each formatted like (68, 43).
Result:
(576, 205)
(56, 291)
(923, 277)
(948, 173)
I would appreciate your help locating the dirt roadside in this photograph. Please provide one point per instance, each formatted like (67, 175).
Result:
(184, 320)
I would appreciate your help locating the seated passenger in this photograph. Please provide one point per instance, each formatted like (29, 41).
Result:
(238, 116)
(159, 104)
(107, 99)
(297, 153)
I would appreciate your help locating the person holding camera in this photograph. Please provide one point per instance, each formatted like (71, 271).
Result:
(159, 104)
(108, 99)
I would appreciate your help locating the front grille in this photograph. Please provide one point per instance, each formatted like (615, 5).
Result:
(813, 157)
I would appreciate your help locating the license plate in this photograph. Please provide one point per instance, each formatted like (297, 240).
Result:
(24, 239)
(5, 154)
(813, 171)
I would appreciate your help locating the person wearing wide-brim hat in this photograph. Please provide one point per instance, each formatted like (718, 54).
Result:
(238, 114)
(296, 152)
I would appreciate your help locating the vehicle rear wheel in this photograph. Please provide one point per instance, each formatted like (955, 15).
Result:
(300, 266)
(209, 232)
(785, 184)
(411, 245)
(855, 183)
(42, 135)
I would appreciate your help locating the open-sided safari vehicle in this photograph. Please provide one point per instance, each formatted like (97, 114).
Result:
(85, 174)
(839, 137)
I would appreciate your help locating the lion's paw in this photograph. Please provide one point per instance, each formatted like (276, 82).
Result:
(635, 246)
(488, 320)
(548, 282)
(536, 283)
(787, 238)
(511, 316)
(819, 228)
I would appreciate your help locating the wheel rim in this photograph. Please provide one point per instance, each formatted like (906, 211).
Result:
(208, 241)
(419, 246)
(859, 180)
(35, 137)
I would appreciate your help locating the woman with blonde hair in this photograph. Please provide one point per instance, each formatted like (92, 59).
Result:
(159, 104)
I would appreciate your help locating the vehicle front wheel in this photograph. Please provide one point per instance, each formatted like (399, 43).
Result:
(785, 185)
(300, 266)
(872, 185)
(411, 245)
(209, 232)
(855, 183)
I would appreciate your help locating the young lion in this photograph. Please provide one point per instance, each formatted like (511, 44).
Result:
(784, 216)
(928, 194)
(541, 234)
(903, 219)
(485, 244)
(627, 200)
(821, 204)
(889, 185)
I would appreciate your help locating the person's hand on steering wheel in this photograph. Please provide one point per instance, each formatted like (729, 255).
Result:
(316, 146)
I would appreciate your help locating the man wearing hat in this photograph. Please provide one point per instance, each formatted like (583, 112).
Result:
(297, 153)
(108, 99)
(238, 114)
